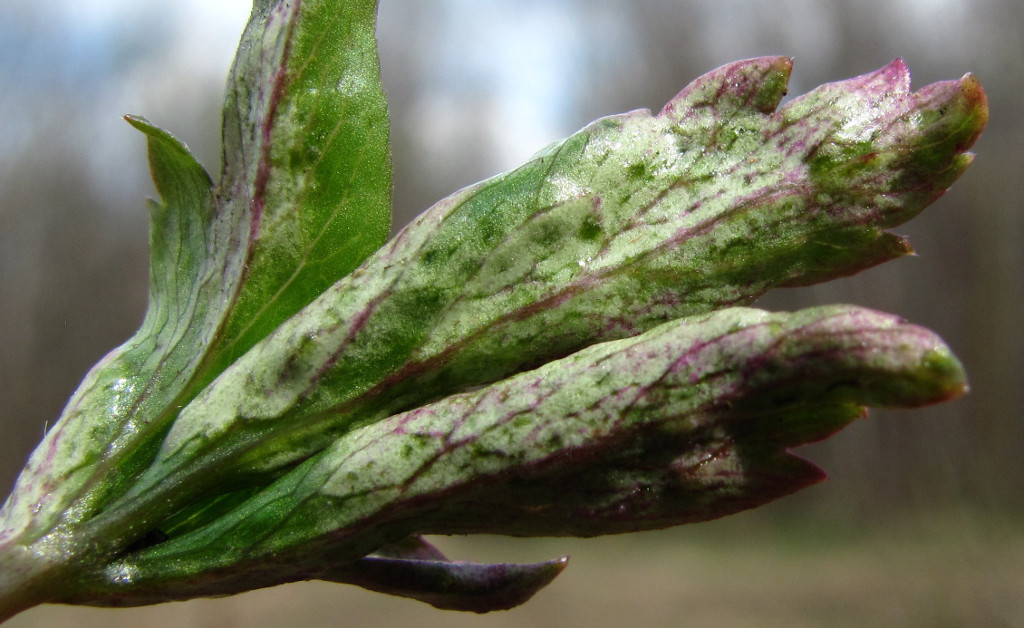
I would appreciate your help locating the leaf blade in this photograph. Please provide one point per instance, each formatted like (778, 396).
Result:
(634, 220)
(689, 421)
(318, 193)
(214, 248)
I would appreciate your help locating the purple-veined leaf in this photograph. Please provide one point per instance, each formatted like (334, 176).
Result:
(687, 422)
(504, 364)
(636, 219)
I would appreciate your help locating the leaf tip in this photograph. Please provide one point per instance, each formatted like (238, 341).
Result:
(897, 71)
(457, 586)
(945, 376)
(955, 110)
(139, 122)
(756, 84)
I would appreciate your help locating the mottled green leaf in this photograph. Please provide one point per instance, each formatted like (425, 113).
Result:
(304, 197)
(634, 220)
(306, 164)
(687, 422)
(553, 351)
(137, 384)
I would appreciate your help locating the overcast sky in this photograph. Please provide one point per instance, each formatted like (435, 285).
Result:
(111, 57)
(88, 63)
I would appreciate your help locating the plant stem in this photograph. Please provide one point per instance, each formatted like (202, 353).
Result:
(26, 576)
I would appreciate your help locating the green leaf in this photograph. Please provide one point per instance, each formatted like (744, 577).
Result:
(687, 422)
(504, 364)
(303, 198)
(634, 220)
(137, 384)
(307, 167)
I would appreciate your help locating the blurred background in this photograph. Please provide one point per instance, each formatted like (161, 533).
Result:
(919, 523)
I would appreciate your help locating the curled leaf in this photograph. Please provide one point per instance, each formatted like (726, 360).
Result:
(304, 197)
(95, 446)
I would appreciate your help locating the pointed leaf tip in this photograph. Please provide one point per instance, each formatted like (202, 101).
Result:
(896, 73)
(179, 178)
(459, 586)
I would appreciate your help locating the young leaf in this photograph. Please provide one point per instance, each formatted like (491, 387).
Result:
(306, 164)
(633, 220)
(304, 197)
(254, 433)
(687, 422)
(137, 383)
